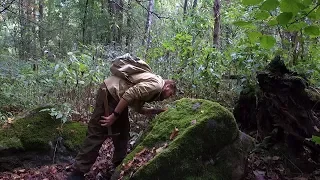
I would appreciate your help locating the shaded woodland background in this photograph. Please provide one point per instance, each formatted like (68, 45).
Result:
(57, 52)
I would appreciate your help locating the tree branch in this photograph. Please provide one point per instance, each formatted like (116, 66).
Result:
(157, 15)
(7, 7)
(305, 15)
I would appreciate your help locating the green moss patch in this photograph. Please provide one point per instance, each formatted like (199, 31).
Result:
(74, 135)
(37, 131)
(205, 129)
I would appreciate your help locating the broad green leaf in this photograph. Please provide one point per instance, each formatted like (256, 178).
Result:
(244, 24)
(297, 26)
(269, 5)
(307, 2)
(284, 18)
(251, 2)
(316, 139)
(273, 22)
(302, 5)
(315, 14)
(254, 36)
(267, 41)
(312, 31)
(289, 6)
(262, 15)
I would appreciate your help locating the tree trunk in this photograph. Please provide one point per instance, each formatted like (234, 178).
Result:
(216, 28)
(40, 32)
(84, 22)
(147, 38)
(195, 3)
(21, 14)
(119, 21)
(295, 48)
(33, 42)
(90, 29)
(129, 26)
(28, 36)
(113, 29)
(24, 37)
(185, 6)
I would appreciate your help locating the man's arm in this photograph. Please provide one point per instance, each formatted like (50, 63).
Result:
(139, 91)
(121, 106)
(150, 111)
(108, 121)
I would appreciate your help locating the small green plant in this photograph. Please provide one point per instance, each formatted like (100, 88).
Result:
(62, 112)
(316, 139)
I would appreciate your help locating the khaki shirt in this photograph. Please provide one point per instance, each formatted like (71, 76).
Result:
(147, 88)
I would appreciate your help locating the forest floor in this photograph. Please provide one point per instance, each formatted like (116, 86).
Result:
(263, 163)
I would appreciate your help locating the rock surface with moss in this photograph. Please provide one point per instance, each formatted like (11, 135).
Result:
(38, 133)
(209, 144)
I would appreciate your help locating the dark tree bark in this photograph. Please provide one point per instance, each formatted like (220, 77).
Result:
(147, 38)
(216, 28)
(283, 106)
(115, 10)
(195, 3)
(40, 32)
(33, 41)
(185, 6)
(112, 12)
(119, 21)
(84, 22)
(295, 48)
(22, 50)
(129, 27)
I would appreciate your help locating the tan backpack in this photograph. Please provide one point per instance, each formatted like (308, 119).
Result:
(127, 65)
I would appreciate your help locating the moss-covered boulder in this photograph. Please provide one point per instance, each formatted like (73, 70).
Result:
(38, 133)
(208, 145)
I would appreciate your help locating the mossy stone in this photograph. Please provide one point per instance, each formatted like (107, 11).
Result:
(205, 129)
(37, 131)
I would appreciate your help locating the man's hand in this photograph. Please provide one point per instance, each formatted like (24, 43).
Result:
(153, 111)
(108, 121)
(158, 111)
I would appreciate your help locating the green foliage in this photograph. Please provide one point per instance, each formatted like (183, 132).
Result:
(285, 27)
(62, 112)
(316, 139)
(312, 31)
(61, 57)
(284, 18)
(251, 2)
(269, 5)
(267, 41)
(66, 84)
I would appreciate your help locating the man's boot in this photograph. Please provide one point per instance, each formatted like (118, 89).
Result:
(105, 176)
(76, 175)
